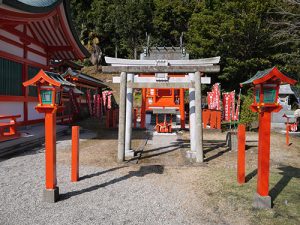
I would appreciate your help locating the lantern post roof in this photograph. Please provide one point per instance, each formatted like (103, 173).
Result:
(51, 78)
(272, 74)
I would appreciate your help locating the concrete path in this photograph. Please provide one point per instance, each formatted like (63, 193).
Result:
(164, 149)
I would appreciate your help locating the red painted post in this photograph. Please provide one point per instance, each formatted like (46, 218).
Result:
(219, 116)
(287, 132)
(182, 113)
(143, 108)
(241, 154)
(107, 121)
(213, 119)
(114, 118)
(50, 148)
(264, 153)
(205, 117)
(75, 154)
(134, 117)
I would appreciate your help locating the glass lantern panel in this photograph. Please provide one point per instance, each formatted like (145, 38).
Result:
(269, 95)
(257, 96)
(46, 97)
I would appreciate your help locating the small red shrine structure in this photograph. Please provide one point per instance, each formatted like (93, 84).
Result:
(32, 34)
(88, 87)
(266, 87)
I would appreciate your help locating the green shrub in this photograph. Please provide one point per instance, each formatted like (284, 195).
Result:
(247, 116)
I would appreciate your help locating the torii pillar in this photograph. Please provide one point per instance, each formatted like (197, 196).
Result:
(192, 153)
(122, 118)
(128, 128)
(196, 135)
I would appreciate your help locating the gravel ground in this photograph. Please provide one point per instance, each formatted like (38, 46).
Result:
(120, 195)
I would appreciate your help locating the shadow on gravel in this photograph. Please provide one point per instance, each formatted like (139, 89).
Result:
(100, 173)
(251, 175)
(145, 154)
(220, 153)
(143, 171)
(288, 173)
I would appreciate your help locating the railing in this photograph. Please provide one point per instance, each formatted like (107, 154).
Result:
(8, 129)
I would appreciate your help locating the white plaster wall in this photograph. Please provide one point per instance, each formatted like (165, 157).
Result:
(12, 108)
(36, 58)
(11, 49)
(32, 113)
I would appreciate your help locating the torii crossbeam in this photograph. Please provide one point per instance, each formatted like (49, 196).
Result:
(193, 69)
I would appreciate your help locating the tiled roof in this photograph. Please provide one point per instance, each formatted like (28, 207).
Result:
(258, 75)
(57, 77)
(74, 73)
(38, 3)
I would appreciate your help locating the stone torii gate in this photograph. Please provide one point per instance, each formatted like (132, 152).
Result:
(194, 70)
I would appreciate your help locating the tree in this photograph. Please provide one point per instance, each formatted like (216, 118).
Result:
(170, 20)
(235, 30)
(285, 26)
(247, 116)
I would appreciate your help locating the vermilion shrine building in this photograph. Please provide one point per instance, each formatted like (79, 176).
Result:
(32, 34)
(162, 100)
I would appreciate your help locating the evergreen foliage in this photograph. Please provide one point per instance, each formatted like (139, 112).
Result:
(249, 35)
(247, 117)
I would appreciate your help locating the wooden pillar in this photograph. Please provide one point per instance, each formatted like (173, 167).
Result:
(122, 119)
(51, 192)
(107, 119)
(143, 108)
(241, 154)
(182, 113)
(75, 154)
(287, 129)
(198, 113)
(192, 114)
(50, 148)
(129, 101)
(264, 154)
(134, 117)
(262, 198)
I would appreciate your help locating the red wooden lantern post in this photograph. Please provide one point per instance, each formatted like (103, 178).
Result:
(266, 87)
(49, 95)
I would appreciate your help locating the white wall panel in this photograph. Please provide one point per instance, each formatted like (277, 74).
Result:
(12, 108)
(10, 36)
(32, 113)
(11, 49)
(36, 58)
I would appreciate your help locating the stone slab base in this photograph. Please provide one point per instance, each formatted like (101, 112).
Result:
(191, 155)
(51, 195)
(129, 153)
(262, 202)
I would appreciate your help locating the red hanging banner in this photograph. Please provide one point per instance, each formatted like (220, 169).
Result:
(104, 97)
(210, 100)
(109, 94)
(95, 105)
(98, 106)
(232, 110)
(216, 96)
(88, 100)
(237, 111)
(226, 106)
(73, 101)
